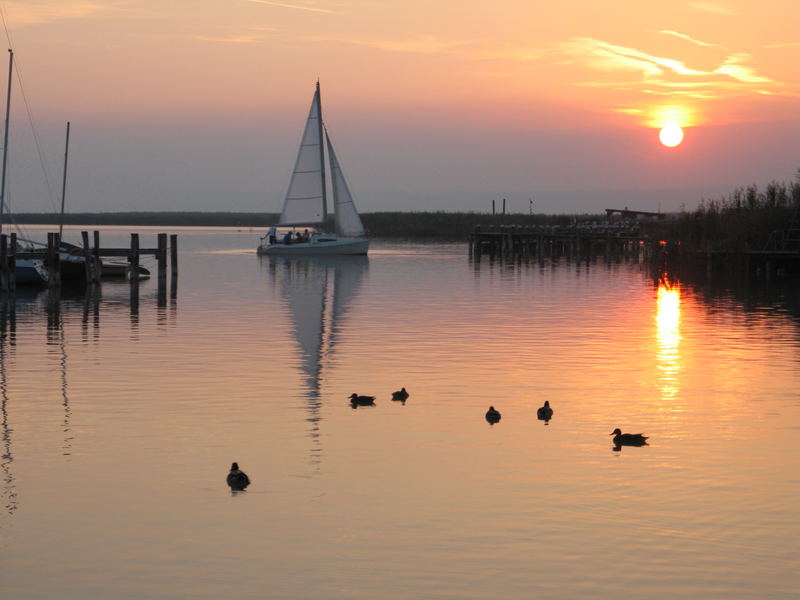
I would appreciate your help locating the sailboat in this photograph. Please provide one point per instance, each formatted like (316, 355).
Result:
(306, 202)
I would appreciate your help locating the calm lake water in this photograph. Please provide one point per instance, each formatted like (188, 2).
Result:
(119, 427)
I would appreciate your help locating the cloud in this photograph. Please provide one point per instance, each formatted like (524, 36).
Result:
(254, 36)
(711, 7)
(660, 71)
(422, 45)
(604, 56)
(20, 13)
(683, 36)
(782, 45)
(296, 6)
(733, 68)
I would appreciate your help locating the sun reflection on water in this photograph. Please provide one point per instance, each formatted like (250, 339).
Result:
(668, 336)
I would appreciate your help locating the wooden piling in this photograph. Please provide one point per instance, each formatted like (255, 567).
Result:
(133, 258)
(96, 260)
(4, 271)
(88, 258)
(173, 255)
(12, 263)
(53, 262)
(161, 259)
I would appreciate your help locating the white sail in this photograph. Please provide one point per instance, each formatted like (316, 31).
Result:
(348, 222)
(305, 198)
(305, 203)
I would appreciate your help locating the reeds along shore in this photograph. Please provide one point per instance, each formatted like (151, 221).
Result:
(748, 219)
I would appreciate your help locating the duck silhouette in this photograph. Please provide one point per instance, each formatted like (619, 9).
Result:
(401, 395)
(628, 439)
(492, 415)
(544, 413)
(356, 400)
(237, 479)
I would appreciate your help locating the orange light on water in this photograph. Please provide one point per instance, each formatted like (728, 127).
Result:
(668, 336)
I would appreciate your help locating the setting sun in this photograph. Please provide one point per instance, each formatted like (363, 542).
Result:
(670, 135)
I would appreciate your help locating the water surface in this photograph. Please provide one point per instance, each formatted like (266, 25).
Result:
(119, 425)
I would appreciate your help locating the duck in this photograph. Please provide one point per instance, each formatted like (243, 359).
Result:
(492, 415)
(544, 413)
(628, 439)
(357, 400)
(401, 395)
(237, 479)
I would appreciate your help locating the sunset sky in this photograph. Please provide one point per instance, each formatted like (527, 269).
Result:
(199, 104)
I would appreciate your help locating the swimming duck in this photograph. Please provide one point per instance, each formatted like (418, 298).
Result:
(401, 395)
(628, 439)
(492, 415)
(545, 413)
(238, 480)
(357, 400)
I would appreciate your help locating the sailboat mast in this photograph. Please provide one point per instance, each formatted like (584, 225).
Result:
(322, 158)
(64, 185)
(5, 140)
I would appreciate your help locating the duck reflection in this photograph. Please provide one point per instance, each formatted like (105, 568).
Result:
(318, 292)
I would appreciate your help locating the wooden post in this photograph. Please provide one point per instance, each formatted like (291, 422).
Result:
(12, 264)
(97, 264)
(173, 254)
(162, 260)
(162, 269)
(133, 258)
(88, 259)
(4, 274)
(53, 268)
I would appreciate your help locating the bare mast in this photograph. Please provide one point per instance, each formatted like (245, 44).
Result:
(322, 158)
(64, 185)
(5, 140)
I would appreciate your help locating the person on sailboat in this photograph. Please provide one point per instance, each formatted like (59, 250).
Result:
(287, 238)
(272, 235)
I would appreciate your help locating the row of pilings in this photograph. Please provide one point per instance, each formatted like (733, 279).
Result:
(66, 263)
(575, 242)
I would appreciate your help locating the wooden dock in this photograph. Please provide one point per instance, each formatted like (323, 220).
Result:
(90, 266)
(579, 240)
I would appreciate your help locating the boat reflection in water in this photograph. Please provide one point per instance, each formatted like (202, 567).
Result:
(318, 291)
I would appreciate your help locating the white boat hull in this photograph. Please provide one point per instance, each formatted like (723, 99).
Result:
(323, 246)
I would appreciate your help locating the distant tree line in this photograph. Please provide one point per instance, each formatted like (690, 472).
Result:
(748, 218)
(433, 225)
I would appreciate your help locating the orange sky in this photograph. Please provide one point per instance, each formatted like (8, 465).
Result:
(196, 105)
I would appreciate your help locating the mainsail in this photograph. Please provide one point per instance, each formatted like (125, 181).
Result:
(305, 198)
(305, 202)
(348, 222)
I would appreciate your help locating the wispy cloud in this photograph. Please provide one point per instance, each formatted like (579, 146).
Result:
(782, 45)
(32, 13)
(657, 70)
(421, 45)
(734, 67)
(688, 38)
(305, 7)
(711, 7)
(250, 36)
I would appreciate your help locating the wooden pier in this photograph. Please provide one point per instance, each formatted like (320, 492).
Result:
(88, 265)
(577, 241)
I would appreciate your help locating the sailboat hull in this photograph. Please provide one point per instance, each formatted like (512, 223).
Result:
(322, 246)
(30, 272)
